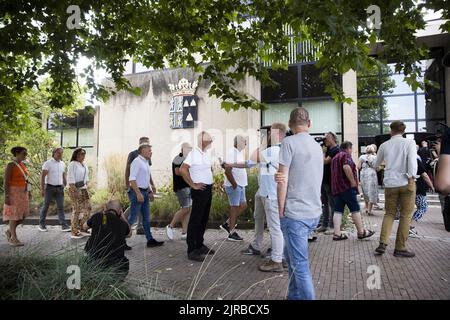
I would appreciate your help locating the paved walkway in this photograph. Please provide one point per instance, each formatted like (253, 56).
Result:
(339, 268)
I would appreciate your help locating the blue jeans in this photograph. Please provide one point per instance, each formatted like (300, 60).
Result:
(57, 193)
(295, 233)
(236, 196)
(137, 207)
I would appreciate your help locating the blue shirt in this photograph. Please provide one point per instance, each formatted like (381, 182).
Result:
(268, 166)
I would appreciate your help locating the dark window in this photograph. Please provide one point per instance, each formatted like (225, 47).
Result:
(312, 87)
(287, 87)
(75, 130)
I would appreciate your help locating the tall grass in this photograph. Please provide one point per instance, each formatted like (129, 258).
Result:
(115, 188)
(36, 276)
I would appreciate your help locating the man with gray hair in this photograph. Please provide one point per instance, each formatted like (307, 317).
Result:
(131, 156)
(196, 170)
(299, 180)
(140, 192)
(235, 183)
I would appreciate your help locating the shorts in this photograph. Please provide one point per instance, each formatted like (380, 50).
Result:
(349, 198)
(184, 197)
(236, 196)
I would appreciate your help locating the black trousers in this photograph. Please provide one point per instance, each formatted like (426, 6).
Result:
(201, 205)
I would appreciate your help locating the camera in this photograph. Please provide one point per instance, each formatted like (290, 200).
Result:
(320, 140)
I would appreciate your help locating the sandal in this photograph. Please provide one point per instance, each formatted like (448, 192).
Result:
(342, 236)
(366, 234)
(15, 243)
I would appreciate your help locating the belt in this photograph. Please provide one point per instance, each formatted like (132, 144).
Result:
(51, 185)
(142, 189)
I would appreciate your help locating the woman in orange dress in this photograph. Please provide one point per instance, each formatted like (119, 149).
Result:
(17, 195)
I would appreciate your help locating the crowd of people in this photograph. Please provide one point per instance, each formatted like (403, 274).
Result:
(303, 190)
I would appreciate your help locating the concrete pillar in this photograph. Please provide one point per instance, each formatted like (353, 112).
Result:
(96, 139)
(350, 111)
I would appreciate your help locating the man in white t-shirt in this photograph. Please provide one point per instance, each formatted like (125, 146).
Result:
(196, 170)
(266, 203)
(53, 181)
(235, 183)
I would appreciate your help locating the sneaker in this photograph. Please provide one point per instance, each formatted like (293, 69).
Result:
(140, 231)
(381, 248)
(250, 251)
(127, 247)
(234, 237)
(154, 243)
(43, 228)
(225, 227)
(404, 253)
(322, 229)
(196, 256)
(271, 266)
(413, 233)
(183, 236)
(78, 235)
(169, 232)
(205, 250)
(312, 237)
(66, 228)
(378, 207)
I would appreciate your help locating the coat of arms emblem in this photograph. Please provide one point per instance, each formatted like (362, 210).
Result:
(183, 109)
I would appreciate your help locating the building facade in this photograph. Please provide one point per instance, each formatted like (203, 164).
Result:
(379, 97)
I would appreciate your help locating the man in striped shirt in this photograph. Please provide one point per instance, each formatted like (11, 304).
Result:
(344, 186)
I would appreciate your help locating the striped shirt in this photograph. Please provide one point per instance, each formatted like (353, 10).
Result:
(339, 181)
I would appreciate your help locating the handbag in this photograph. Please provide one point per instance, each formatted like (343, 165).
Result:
(81, 184)
(28, 186)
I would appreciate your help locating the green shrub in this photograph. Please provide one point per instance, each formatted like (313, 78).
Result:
(164, 206)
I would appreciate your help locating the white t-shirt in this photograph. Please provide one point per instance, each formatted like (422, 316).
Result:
(77, 172)
(55, 172)
(239, 174)
(140, 172)
(199, 163)
(268, 166)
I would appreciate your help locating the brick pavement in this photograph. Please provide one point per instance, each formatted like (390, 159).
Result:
(339, 268)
